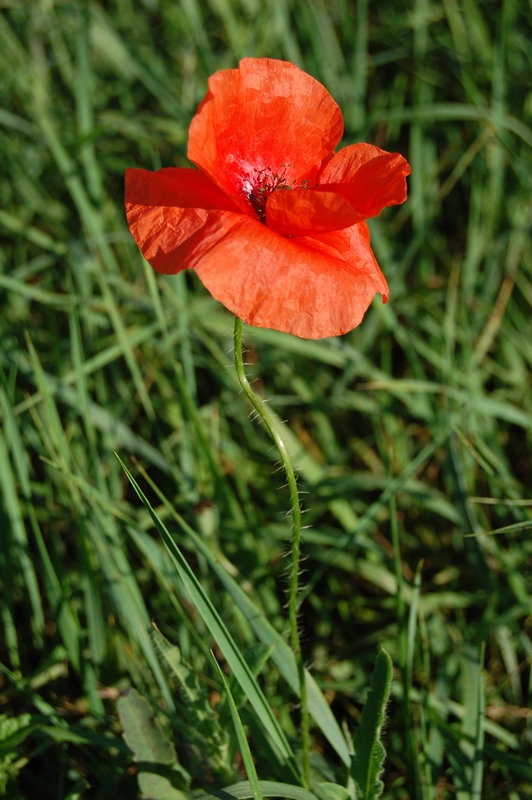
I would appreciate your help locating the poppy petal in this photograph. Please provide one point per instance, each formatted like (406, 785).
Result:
(165, 235)
(368, 183)
(161, 216)
(265, 115)
(304, 212)
(343, 166)
(175, 186)
(313, 287)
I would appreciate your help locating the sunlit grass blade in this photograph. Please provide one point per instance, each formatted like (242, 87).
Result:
(369, 515)
(17, 550)
(472, 745)
(101, 418)
(479, 735)
(411, 736)
(126, 594)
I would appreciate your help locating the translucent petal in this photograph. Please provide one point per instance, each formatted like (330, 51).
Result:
(265, 115)
(161, 219)
(174, 186)
(304, 212)
(313, 287)
(369, 180)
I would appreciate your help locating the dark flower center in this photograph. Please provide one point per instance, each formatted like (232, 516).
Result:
(267, 181)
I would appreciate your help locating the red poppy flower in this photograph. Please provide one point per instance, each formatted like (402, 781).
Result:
(273, 221)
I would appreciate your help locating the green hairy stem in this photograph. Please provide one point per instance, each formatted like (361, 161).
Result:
(293, 589)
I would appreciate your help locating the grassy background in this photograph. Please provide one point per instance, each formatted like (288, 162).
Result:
(410, 433)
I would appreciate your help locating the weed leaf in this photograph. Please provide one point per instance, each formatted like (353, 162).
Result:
(369, 751)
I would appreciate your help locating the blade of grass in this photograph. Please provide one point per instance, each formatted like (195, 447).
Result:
(18, 549)
(241, 736)
(222, 636)
(412, 748)
(243, 791)
(282, 655)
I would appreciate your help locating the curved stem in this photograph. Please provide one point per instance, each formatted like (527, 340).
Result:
(293, 590)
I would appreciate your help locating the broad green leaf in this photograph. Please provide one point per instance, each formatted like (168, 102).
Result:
(243, 791)
(160, 777)
(191, 691)
(368, 760)
(332, 791)
(211, 734)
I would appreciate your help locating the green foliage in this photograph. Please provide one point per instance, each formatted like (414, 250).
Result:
(243, 791)
(12, 732)
(272, 643)
(368, 760)
(411, 435)
(242, 740)
(160, 776)
(211, 740)
(223, 637)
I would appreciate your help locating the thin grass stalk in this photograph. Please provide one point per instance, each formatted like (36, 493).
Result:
(293, 588)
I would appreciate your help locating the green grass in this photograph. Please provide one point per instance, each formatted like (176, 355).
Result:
(411, 435)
